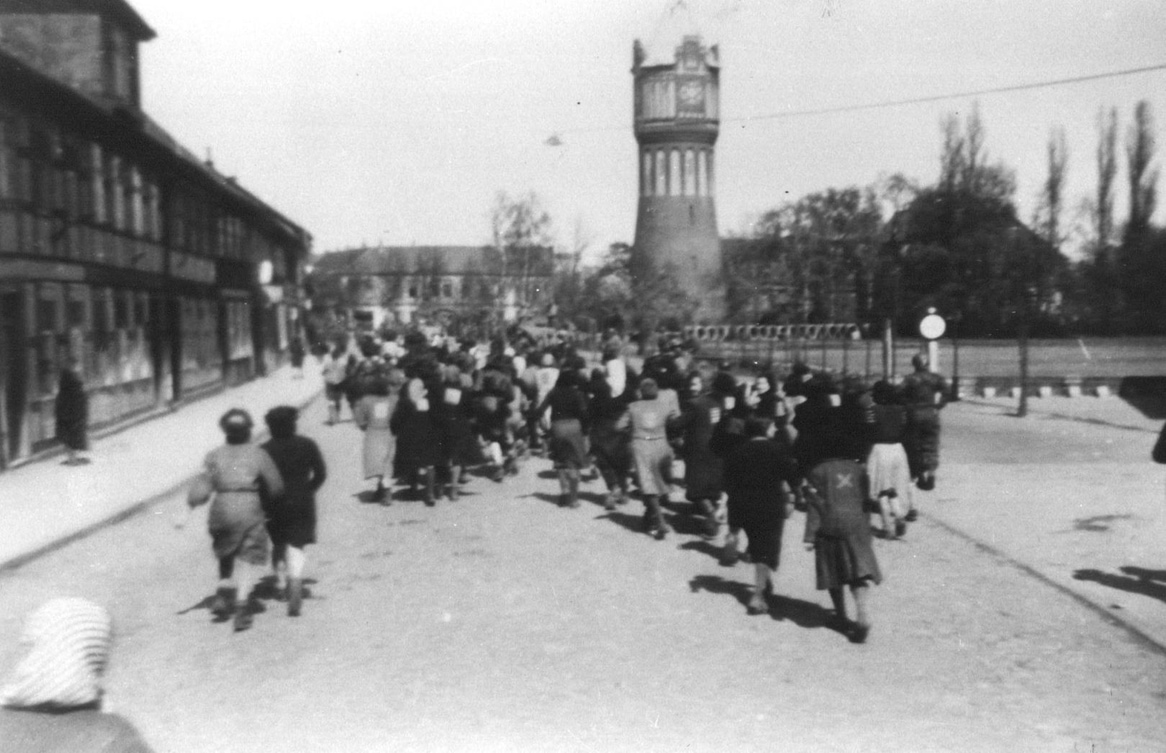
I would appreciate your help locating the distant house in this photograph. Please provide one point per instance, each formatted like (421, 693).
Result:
(433, 285)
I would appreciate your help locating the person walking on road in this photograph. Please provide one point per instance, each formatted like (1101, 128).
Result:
(759, 475)
(647, 420)
(296, 353)
(291, 518)
(372, 416)
(418, 450)
(610, 446)
(334, 369)
(703, 468)
(838, 532)
(925, 393)
(454, 415)
(569, 423)
(72, 412)
(890, 473)
(233, 478)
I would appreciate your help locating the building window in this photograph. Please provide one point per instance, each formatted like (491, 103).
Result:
(447, 289)
(674, 173)
(689, 173)
(661, 173)
(711, 174)
(412, 292)
(702, 167)
(646, 177)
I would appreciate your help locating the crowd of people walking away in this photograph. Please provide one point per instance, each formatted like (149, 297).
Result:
(755, 448)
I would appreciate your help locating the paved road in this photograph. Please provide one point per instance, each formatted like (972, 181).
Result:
(502, 622)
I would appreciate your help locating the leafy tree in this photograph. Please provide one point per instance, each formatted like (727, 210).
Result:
(811, 260)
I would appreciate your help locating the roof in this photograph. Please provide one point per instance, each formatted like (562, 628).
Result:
(389, 260)
(119, 10)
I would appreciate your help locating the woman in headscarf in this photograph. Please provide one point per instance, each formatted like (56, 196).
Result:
(235, 475)
(372, 414)
(647, 420)
(291, 518)
(568, 426)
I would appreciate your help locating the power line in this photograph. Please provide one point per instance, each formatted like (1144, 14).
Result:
(902, 102)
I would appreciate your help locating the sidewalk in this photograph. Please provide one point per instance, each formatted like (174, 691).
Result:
(1080, 507)
(46, 504)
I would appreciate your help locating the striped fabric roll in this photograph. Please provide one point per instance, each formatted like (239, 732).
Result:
(70, 641)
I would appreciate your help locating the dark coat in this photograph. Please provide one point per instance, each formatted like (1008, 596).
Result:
(291, 518)
(418, 438)
(72, 411)
(453, 413)
(754, 473)
(703, 468)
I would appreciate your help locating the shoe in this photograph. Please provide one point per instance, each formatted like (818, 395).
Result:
(573, 502)
(900, 528)
(243, 618)
(295, 597)
(223, 604)
(859, 632)
(757, 605)
(729, 555)
(911, 515)
(609, 502)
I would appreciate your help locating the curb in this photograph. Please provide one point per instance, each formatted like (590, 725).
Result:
(1067, 417)
(132, 509)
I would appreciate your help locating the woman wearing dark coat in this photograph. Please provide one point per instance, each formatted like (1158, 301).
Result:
(418, 440)
(569, 423)
(610, 446)
(703, 468)
(759, 475)
(72, 413)
(291, 518)
(453, 412)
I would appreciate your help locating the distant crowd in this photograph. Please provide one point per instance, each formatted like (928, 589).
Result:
(435, 412)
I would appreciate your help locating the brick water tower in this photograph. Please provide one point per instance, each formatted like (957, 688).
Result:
(676, 123)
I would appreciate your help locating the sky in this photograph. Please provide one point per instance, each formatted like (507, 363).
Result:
(384, 122)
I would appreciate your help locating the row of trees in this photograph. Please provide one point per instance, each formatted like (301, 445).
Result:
(893, 249)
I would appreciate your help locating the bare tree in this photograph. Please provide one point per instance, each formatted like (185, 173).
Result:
(1143, 176)
(521, 230)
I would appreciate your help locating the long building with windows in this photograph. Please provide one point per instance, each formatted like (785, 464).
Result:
(448, 286)
(164, 278)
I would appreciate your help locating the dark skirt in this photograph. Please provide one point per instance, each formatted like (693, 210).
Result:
(292, 524)
(764, 543)
(566, 443)
(921, 440)
(845, 560)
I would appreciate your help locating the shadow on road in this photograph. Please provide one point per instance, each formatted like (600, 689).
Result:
(804, 614)
(1136, 580)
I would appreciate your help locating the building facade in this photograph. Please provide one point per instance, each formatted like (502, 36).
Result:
(403, 286)
(118, 248)
(676, 122)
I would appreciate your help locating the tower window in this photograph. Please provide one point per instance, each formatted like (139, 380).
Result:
(689, 173)
(646, 176)
(674, 173)
(702, 169)
(661, 173)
